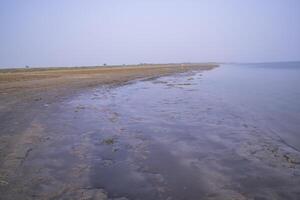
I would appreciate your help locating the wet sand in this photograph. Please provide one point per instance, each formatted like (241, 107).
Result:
(39, 155)
(138, 135)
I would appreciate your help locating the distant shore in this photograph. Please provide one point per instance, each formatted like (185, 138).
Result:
(28, 82)
(23, 87)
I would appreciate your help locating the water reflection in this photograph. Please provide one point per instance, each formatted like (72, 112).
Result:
(227, 133)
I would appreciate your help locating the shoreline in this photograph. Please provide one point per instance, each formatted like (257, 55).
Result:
(15, 80)
(32, 85)
(21, 100)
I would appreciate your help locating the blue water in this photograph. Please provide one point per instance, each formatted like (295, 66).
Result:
(268, 93)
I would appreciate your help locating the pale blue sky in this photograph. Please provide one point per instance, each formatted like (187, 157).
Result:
(93, 32)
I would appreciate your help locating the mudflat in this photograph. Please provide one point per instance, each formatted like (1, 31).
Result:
(28, 100)
(147, 132)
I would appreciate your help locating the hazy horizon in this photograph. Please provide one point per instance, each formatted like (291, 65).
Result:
(85, 33)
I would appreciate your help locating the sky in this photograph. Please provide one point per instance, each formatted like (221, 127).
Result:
(44, 33)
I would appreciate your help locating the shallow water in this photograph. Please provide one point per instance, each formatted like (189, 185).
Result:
(228, 133)
(269, 93)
